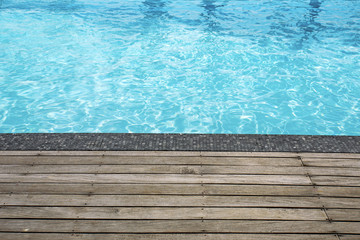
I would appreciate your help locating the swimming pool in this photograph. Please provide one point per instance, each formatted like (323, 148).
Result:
(180, 66)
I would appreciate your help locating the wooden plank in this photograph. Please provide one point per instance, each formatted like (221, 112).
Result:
(157, 178)
(249, 154)
(332, 162)
(72, 236)
(332, 171)
(258, 190)
(329, 155)
(120, 169)
(344, 214)
(150, 160)
(338, 191)
(335, 202)
(173, 200)
(177, 226)
(257, 201)
(179, 153)
(55, 188)
(349, 237)
(178, 189)
(336, 181)
(147, 153)
(179, 169)
(161, 213)
(98, 160)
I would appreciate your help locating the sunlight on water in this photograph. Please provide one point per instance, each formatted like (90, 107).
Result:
(185, 66)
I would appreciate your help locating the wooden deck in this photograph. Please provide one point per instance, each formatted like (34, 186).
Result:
(179, 196)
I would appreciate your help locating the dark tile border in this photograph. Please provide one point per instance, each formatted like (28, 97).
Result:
(178, 142)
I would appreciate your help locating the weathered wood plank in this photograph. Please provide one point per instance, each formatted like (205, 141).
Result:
(157, 178)
(178, 169)
(178, 189)
(72, 236)
(244, 201)
(249, 154)
(177, 226)
(151, 153)
(179, 153)
(332, 162)
(173, 200)
(332, 171)
(344, 214)
(283, 154)
(338, 191)
(349, 237)
(336, 181)
(150, 160)
(153, 189)
(334, 202)
(161, 213)
(330, 155)
(204, 195)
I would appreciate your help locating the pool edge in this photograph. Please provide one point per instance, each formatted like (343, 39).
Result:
(178, 142)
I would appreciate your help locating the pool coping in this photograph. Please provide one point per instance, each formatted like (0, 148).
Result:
(178, 142)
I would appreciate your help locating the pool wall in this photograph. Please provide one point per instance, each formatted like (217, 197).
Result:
(178, 142)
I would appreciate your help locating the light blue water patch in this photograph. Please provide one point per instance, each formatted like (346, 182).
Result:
(180, 66)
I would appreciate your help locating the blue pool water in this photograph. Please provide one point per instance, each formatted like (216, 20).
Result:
(180, 66)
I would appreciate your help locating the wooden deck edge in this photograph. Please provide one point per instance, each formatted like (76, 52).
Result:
(180, 154)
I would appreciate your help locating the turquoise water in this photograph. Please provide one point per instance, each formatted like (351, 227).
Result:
(180, 66)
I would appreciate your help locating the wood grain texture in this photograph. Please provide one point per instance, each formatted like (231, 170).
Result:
(179, 189)
(156, 178)
(201, 236)
(179, 169)
(179, 195)
(156, 153)
(171, 200)
(150, 160)
(330, 155)
(161, 213)
(177, 226)
(179, 153)
(338, 191)
(349, 237)
(336, 181)
(344, 214)
(176, 201)
(332, 162)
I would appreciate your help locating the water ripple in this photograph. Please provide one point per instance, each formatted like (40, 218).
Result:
(194, 66)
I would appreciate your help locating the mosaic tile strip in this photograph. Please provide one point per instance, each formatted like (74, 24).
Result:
(178, 142)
